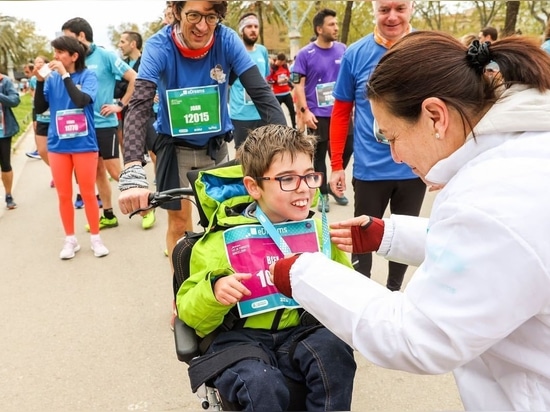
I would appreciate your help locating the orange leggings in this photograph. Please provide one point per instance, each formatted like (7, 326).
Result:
(85, 168)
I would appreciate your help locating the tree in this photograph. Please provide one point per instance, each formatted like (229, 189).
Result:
(10, 47)
(512, 11)
(346, 22)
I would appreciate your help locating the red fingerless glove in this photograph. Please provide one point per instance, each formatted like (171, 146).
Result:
(367, 238)
(281, 274)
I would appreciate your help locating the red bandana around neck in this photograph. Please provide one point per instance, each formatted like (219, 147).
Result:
(382, 41)
(191, 53)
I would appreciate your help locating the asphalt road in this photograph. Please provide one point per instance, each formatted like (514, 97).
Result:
(92, 334)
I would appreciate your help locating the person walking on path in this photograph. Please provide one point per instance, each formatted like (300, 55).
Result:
(9, 98)
(69, 92)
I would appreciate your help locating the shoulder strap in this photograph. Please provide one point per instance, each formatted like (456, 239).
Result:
(207, 367)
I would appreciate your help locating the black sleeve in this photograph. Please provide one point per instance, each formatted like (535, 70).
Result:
(40, 103)
(79, 98)
(261, 94)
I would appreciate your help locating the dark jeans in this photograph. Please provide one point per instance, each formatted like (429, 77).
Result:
(405, 197)
(322, 148)
(320, 360)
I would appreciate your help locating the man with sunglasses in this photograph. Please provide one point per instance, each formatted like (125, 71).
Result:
(191, 61)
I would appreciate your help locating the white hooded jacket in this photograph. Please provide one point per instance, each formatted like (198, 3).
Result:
(479, 302)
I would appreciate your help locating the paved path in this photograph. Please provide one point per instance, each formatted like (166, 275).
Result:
(92, 334)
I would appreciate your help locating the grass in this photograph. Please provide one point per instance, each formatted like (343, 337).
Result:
(23, 114)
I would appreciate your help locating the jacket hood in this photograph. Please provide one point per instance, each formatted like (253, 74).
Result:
(519, 110)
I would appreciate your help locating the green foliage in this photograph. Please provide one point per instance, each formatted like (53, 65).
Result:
(23, 114)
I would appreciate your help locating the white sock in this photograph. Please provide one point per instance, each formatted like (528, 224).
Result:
(95, 237)
(71, 238)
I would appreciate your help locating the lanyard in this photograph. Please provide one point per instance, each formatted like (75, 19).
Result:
(281, 243)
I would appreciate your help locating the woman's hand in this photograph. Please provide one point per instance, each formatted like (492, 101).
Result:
(340, 233)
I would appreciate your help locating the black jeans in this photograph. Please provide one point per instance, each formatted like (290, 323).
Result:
(405, 197)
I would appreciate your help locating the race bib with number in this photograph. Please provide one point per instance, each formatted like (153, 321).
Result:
(71, 123)
(324, 95)
(194, 110)
(250, 249)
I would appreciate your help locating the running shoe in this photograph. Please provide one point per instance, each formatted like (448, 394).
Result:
(99, 248)
(342, 201)
(33, 155)
(78, 203)
(323, 202)
(70, 247)
(148, 221)
(104, 223)
(10, 204)
(52, 184)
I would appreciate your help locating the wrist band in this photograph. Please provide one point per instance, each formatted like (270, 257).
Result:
(133, 176)
(66, 76)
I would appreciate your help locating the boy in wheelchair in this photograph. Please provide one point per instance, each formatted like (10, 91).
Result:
(280, 182)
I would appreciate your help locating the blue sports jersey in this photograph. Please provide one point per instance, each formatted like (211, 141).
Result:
(108, 68)
(57, 96)
(162, 60)
(371, 160)
(240, 105)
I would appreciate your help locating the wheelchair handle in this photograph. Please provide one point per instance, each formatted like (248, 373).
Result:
(158, 198)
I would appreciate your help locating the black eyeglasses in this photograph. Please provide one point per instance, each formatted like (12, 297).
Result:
(194, 18)
(290, 183)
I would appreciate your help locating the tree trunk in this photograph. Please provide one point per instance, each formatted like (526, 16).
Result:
(512, 11)
(346, 22)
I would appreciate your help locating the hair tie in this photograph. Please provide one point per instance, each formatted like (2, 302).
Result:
(478, 55)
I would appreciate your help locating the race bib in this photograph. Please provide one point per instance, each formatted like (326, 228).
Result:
(324, 95)
(194, 110)
(71, 123)
(2, 122)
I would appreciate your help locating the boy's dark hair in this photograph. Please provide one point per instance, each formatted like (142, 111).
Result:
(78, 25)
(491, 32)
(220, 7)
(281, 57)
(261, 146)
(72, 46)
(319, 18)
(134, 36)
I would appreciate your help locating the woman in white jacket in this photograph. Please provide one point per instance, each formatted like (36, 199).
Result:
(479, 302)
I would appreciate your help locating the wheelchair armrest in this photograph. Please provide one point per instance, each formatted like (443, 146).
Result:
(187, 341)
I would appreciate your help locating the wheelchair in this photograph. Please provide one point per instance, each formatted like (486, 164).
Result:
(189, 347)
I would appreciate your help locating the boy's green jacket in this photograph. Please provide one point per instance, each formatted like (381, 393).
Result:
(223, 197)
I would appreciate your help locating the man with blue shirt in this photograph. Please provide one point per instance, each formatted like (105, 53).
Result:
(190, 62)
(108, 68)
(244, 115)
(377, 179)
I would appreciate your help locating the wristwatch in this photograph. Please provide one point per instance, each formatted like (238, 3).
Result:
(120, 104)
(303, 109)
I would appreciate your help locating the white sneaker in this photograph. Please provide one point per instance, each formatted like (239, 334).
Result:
(69, 249)
(99, 248)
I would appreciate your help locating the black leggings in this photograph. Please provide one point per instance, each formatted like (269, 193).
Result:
(405, 197)
(287, 100)
(5, 154)
(322, 148)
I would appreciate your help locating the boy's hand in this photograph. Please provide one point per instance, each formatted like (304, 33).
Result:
(229, 290)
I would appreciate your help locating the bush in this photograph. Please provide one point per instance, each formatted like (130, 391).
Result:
(23, 114)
